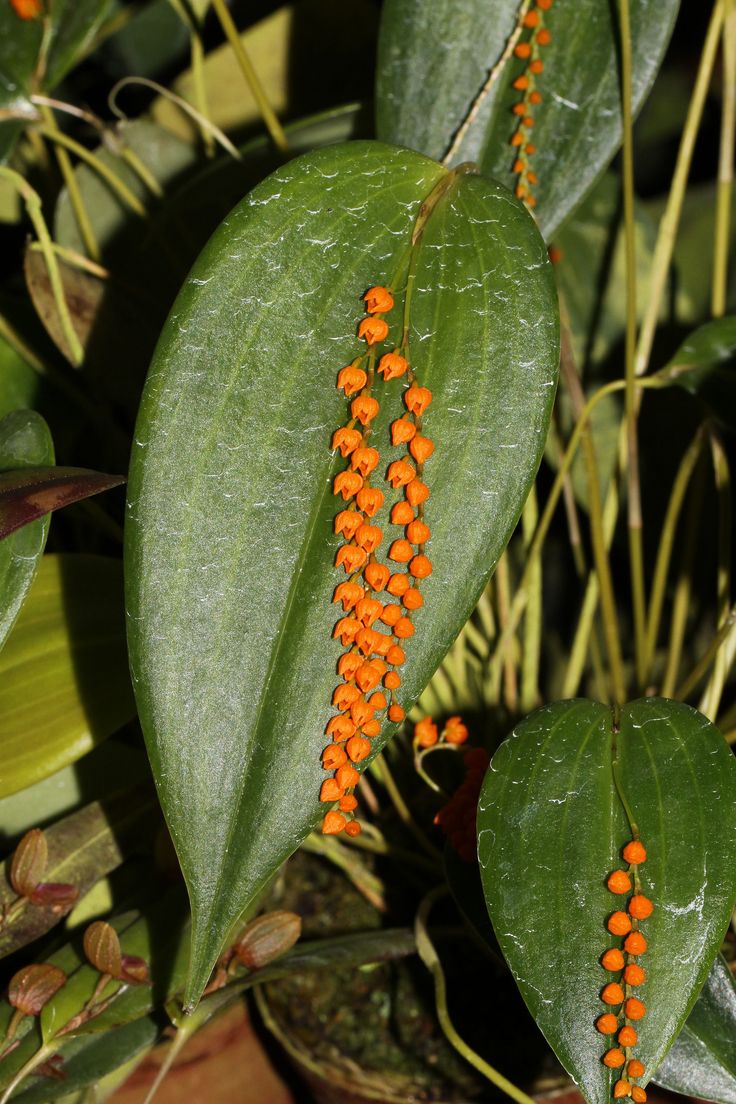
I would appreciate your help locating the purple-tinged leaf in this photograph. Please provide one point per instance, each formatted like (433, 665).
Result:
(29, 493)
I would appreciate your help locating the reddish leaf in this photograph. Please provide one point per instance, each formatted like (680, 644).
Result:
(28, 494)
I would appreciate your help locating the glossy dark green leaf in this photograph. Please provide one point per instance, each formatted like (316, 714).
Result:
(65, 32)
(551, 827)
(702, 1061)
(425, 89)
(82, 848)
(705, 365)
(28, 494)
(230, 550)
(64, 683)
(25, 442)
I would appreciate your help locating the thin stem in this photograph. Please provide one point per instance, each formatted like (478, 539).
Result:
(121, 189)
(532, 647)
(702, 666)
(384, 774)
(76, 260)
(670, 219)
(72, 186)
(200, 90)
(683, 589)
(430, 958)
(503, 596)
(270, 119)
(722, 243)
(32, 202)
(26, 1069)
(330, 848)
(187, 108)
(666, 544)
(711, 700)
(141, 170)
(636, 551)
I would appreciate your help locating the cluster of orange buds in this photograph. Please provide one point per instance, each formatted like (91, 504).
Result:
(622, 961)
(27, 9)
(457, 817)
(373, 655)
(523, 109)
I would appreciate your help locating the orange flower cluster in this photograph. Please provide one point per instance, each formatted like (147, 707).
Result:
(523, 110)
(623, 962)
(457, 817)
(372, 654)
(27, 9)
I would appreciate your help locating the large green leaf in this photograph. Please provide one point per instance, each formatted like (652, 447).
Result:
(230, 552)
(551, 827)
(425, 89)
(25, 442)
(702, 1061)
(64, 683)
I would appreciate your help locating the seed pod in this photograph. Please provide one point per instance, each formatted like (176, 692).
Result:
(628, 1036)
(614, 1058)
(619, 882)
(613, 960)
(28, 864)
(607, 1024)
(32, 987)
(102, 948)
(635, 853)
(640, 906)
(619, 923)
(612, 994)
(267, 938)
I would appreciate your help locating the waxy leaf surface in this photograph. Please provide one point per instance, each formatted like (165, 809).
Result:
(425, 89)
(702, 1061)
(551, 827)
(64, 683)
(230, 550)
(25, 442)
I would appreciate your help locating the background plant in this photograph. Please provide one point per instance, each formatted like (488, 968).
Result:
(615, 584)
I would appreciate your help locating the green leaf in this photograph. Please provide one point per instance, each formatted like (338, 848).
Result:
(64, 683)
(65, 32)
(550, 829)
(20, 386)
(82, 848)
(89, 1058)
(425, 90)
(705, 365)
(25, 442)
(702, 1061)
(230, 550)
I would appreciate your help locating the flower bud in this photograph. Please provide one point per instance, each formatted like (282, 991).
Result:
(32, 987)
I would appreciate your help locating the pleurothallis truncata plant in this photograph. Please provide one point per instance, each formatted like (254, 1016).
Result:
(606, 842)
(231, 546)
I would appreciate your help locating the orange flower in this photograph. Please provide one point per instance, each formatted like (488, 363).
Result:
(346, 630)
(352, 828)
(613, 960)
(619, 923)
(346, 440)
(347, 777)
(417, 399)
(348, 664)
(378, 300)
(417, 532)
(391, 614)
(369, 537)
(378, 702)
(340, 728)
(330, 790)
(401, 513)
(636, 1068)
(413, 599)
(347, 483)
(635, 853)
(634, 975)
(391, 680)
(348, 803)
(425, 733)
(371, 728)
(628, 1036)
(635, 943)
(420, 567)
(348, 594)
(367, 677)
(373, 330)
(392, 365)
(27, 9)
(619, 882)
(639, 1094)
(333, 757)
(333, 823)
(417, 492)
(522, 50)
(358, 748)
(455, 731)
(400, 473)
(398, 585)
(368, 610)
(402, 430)
(344, 696)
(607, 1023)
(640, 906)
(364, 460)
(544, 37)
(635, 1009)
(351, 558)
(370, 500)
(403, 628)
(621, 1089)
(364, 408)
(351, 379)
(361, 712)
(396, 714)
(376, 575)
(612, 993)
(400, 551)
(614, 1058)
(348, 522)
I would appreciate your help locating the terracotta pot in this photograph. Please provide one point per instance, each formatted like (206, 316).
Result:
(224, 1063)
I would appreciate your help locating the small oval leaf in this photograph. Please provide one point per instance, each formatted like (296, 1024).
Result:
(230, 544)
(551, 827)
